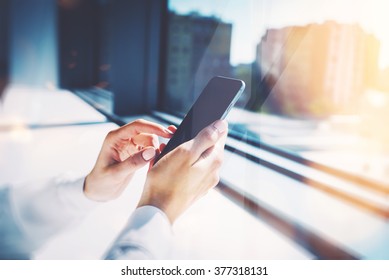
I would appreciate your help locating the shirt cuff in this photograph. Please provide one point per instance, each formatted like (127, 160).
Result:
(148, 235)
(71, 192)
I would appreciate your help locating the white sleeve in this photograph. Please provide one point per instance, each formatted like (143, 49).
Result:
(148, 235)
(42, 209)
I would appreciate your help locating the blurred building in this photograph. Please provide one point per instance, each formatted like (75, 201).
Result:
(383, 80)
(198, 49)
(318, 69)
(3, 46)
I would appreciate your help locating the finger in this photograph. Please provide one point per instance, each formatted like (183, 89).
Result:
(161, 147)
(159, 150)
(208, 137)
(207, 153)
(128, 147)
(172, 128)
(145, 140)
(136, 161)
(141, 126)
(221, 142)
(212, 158)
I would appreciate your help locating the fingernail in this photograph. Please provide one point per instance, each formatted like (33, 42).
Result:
(169, 131)
(220, 126)
(148, 154)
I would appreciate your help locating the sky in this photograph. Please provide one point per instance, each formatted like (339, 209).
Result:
(251, 18)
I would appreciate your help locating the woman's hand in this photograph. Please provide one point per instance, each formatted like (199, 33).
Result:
(124, 151)
(187, 173)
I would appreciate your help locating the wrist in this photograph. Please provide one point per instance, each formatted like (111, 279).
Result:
(88, 191)
(159, 205)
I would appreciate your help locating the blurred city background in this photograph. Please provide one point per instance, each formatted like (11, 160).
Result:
(317, 74)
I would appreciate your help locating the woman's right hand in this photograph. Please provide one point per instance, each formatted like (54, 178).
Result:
(187, 173)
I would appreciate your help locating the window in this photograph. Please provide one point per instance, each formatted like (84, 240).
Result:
(316, 78)
(316, 96)
(109, 53)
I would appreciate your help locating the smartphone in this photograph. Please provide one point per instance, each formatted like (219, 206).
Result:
(214, 103)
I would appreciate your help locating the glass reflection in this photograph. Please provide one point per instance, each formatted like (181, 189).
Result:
(316, 74)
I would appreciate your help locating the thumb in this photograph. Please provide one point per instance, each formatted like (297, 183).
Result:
(137, 160)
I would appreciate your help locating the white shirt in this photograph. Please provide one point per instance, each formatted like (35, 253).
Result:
(31, 214)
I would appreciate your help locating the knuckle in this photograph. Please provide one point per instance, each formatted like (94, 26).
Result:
(218, 160)
(184, 154)
(184, 151)
(215, 179)
(208, 135)
(111, 134)
(139, 121)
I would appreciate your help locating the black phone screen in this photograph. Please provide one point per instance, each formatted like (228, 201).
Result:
(214, 102)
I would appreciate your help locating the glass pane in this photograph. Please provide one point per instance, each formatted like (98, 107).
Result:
(316, 74)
